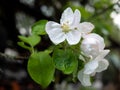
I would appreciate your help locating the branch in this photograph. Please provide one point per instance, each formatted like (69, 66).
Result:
(12, 58)
(103, 11)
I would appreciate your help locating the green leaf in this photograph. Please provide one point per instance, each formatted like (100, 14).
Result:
(22, 44)
(65, 61)
(31, 40)
(39, 27)
(41, 68)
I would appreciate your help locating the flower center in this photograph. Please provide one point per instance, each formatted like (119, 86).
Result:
(65, 28)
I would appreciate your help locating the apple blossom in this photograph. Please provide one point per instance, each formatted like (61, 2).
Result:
(99, 64)
(69, 29)
(93, 46)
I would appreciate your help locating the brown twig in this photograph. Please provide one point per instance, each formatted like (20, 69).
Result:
(5, 56)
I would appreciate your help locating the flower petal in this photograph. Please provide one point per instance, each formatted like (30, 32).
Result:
(98, 38)
(86, 27)
(84, 78)
(67, 16)
(73, 37)
(102, 54)
(54, 32)
(103, 65)
(90, 47)
(77, 17)
(90, 67)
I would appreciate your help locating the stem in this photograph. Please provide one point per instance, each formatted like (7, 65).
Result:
(65, 45)
(103, 11)
(32, 49)
(75, 73)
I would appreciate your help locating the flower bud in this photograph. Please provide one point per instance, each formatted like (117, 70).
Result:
(92, 44)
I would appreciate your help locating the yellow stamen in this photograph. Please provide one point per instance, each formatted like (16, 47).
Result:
(65, 28)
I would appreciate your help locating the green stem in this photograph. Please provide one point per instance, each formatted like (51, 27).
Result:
(65, 45)
(75, 73)
(32, 50)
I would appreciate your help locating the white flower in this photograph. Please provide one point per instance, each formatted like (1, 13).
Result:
(93, 45)
(99, 64)
(69, 29)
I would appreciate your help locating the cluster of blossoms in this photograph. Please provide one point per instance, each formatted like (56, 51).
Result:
(92, 45)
